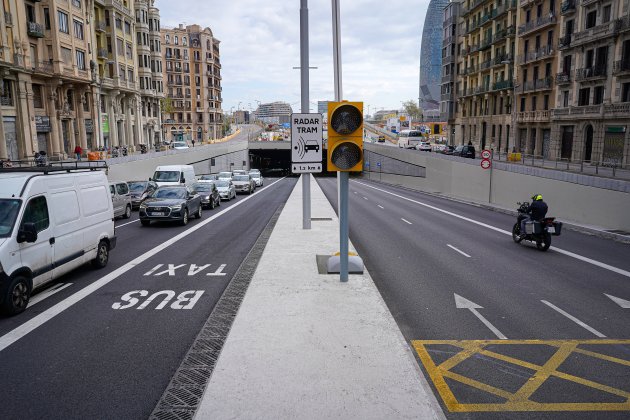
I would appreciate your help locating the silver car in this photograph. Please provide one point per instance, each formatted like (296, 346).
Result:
(258, 178)
(226, 189)
(243, 184)
(225, 175)
(121, 199)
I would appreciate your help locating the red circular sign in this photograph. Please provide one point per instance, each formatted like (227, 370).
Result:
(485, 163)
(486, 154)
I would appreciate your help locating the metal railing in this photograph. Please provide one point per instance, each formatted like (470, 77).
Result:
(563, 78)
(540, 84)
(567, 6)
(609, 168)
(537, 24)
(621, 66)
(594, 72)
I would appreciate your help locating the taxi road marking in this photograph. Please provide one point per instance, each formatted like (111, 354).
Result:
(519, 400)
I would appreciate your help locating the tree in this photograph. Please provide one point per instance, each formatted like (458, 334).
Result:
(413, 110)
(166, 105)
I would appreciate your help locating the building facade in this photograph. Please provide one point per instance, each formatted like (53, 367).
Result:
(592, 114)
(448, 97)
(485, 70)
(274, 113)
(192, 76)
(431, 57)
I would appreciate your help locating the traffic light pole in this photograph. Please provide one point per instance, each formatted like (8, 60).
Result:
(304, 69)
(342, 177)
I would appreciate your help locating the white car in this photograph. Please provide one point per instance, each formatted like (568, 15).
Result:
(227, 175)
(258, 178)
(226, 189)
(423, 146)
(180, 145)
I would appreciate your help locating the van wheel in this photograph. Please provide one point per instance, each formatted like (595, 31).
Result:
(102, 255)
(127, 214)
(16, 296)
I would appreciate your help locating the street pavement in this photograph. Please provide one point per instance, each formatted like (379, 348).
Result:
(452, 276)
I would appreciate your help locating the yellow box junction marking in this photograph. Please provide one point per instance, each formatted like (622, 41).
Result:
(520, 400)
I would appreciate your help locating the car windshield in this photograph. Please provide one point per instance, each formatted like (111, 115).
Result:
(170, 193)
(8, 213)
(208, 177)
(241, 178)
(255, 175)
(203, 186)
(223, 184)
(137, 186)
(179, 144)
(225, 174)
(166, 176)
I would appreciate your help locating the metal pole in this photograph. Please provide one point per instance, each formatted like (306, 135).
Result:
(306, 178)
(342, 177)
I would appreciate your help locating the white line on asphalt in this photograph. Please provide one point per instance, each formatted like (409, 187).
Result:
(128, 223)
(406, 221)
(574, 319)
(19, 332)
(381, 206)
(47, 293)
(505, 232)
(365, 198)
(455, 249)
(463, 303)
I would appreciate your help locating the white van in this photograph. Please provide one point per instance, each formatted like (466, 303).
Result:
(50, 223)
(174, 175)
(409, 139)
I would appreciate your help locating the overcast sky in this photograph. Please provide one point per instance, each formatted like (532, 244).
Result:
(260, 45)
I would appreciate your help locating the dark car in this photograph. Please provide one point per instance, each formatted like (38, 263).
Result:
(209, 193)
(464, 151)
(171, 203)
(448, 150)
(140, 190)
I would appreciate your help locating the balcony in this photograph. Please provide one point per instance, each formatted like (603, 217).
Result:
(486, 43)
(499, 35)
(540, 84)
(572, 112)
(623, 24)
(503, 84)
(35, 29)
(487, 17)
(472, 5)
(200, 110)
(485, 65)
(533, 116)
(100, 26)
(567, 7)
(544, 52)
(44, 67)
(591, 73)
(448, 59)
(596, 33)
(563, 78)
(537, 24)
(447, 79)
(587, 2)
(102, 53)
(472, 69)
(508, 5)
(564, 42)
(446, 41)
(502, 59)
(446, 97)
(621, 67)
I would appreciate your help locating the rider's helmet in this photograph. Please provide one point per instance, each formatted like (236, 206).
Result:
(537, 197)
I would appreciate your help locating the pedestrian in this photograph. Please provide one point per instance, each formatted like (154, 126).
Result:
(78, 151)
(193, 142)
(469, 142)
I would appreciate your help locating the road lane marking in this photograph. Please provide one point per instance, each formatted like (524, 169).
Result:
(47, 293)
(463, 303)
(406, 221)
(625, 304)
(574, 319)
(365, 198)
(35, 322)
(477, 353)
(381, 206)
(505, 232)
(128, 223)
(460, 251)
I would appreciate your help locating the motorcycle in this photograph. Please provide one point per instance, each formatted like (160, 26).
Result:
(115, 152)
(143, 149)
(538, 231)
(124, 150)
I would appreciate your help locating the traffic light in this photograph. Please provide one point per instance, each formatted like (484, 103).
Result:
(345, 136)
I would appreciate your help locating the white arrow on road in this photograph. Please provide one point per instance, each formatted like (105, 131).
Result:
(625, 304)
(463, 303)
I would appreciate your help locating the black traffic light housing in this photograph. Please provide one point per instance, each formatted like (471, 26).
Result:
(345, 136)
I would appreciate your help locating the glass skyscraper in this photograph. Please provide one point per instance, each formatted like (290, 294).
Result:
(431, 55)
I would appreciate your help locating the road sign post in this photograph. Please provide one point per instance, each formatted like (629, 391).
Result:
(306, 143)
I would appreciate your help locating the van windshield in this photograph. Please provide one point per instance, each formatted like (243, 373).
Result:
(8, 212)
(166, 176)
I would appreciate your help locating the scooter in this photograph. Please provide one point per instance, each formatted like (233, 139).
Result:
(538, 231)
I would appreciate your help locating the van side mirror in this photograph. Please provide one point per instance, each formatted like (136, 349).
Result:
(28, 233)
(150, 179)
(182, 180)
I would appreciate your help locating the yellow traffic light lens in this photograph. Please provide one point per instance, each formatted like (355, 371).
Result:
(346, 119)
(346, 155)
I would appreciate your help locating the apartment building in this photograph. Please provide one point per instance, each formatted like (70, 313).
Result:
(274, 112)
(192, 72)
(485, 73)
(537, 43)
(448, 97)
(592, 114)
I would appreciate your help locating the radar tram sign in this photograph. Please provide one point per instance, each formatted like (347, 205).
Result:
(306, 143)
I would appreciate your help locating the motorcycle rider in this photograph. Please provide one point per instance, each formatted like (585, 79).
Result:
(537, 211)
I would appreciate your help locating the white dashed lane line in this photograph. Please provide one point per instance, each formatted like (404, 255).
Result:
(406, 221)
(381, 207)
(457, 250)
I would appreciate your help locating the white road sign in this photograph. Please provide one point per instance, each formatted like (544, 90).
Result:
(306, 141)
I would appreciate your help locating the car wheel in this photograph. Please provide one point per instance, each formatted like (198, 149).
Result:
(16, 296)
(212, 205)
(102, 255)
(219, 202)
(184, 220)
(199, 212)
(145, 222)
(127, 214)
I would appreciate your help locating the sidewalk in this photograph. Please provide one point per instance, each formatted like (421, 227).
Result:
(305, 345)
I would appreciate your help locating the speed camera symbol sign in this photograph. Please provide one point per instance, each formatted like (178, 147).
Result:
(306, 138)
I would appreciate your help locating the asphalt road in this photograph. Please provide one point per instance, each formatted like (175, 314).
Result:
(424, 251)
(99, 343)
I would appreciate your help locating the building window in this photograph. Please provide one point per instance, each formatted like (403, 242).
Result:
(121, 71)
(37, 97)
(107, 18)
(120, 46)
(130, 75)
(63, 22)
(127, 28)
(129, 50)
(534, 103)
(80, 60)
(565, 98)
(66, 55)
(625, 92)
(167, 39)
(78, 29)
(598, 95)
(76, 3)
(606, 14)
(47, 19)
(119, 23)
(591, 18)
(523, 104)
(583, 96)
(546, 102)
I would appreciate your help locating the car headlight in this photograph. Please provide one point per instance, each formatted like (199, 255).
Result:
(143, 206)
(207, 197)
(177, 207)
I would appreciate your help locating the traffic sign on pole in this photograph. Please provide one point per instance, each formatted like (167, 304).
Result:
(306, 142)
(486, 154)
(485, 163)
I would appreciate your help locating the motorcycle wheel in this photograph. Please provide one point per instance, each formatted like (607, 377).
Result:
(544, 243)
(516, 233)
